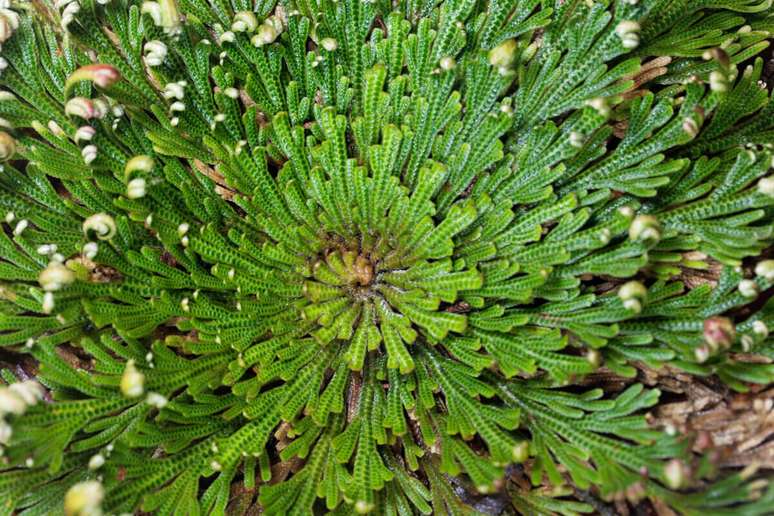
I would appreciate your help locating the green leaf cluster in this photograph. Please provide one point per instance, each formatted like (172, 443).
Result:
(340, 252)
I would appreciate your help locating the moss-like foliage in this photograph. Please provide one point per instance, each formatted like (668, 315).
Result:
(361, 256)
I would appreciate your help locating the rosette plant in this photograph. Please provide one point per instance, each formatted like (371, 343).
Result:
(349, 256)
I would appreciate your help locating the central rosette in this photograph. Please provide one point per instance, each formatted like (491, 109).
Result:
(370, 298)
(353, 270)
